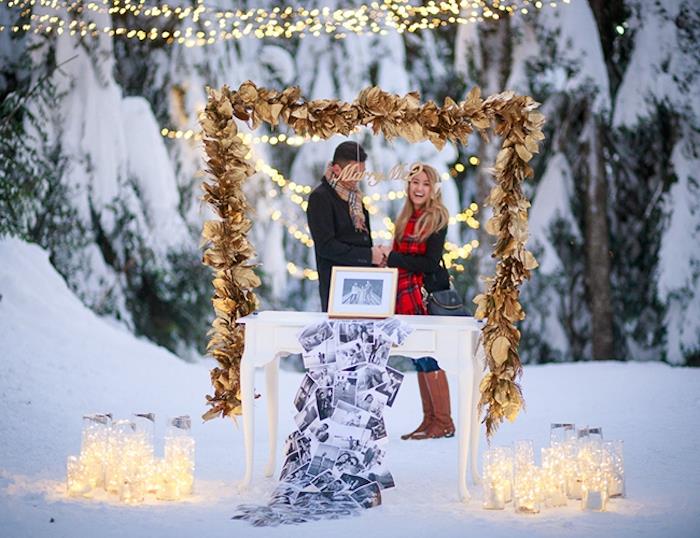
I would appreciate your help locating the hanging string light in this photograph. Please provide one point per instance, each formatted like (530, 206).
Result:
(205, 25)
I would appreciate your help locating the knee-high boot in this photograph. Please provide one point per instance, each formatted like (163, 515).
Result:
(439, 391)
(428, 415)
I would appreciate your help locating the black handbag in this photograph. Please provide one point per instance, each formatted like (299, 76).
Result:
(446, 303)
(443, 300)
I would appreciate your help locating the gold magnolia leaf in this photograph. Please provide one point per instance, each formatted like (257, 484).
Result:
(485, 382)
(493, 225)
(245, 277)
(529, 261)
(511, 411)
(248, 92)
(522, 152)
(499, 350)
(212, 413)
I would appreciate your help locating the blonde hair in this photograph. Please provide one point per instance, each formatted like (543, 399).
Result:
(435, 215)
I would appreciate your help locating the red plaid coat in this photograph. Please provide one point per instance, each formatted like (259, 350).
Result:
(409, 291)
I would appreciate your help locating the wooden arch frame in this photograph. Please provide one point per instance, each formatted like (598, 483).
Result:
(228, 252)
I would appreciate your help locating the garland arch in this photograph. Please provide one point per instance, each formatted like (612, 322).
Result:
(228, 252)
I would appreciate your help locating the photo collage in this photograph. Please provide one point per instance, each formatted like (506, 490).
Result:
(333, 463)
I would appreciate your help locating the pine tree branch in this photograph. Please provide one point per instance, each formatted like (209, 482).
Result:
(33, 89)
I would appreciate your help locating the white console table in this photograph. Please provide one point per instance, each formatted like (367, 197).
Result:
(270, 335)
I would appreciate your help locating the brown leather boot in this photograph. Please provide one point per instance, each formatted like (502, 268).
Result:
(439, 390)
(419, 432)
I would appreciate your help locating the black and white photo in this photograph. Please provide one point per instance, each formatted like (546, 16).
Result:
(345, 387)
(306, 390)
(324, 459)
(368, 496)
(350, 355)
(377, 428)
(350, 415)
(312, 337)
(391, 387)
(322, 355)
(307, 415)
(324, 402)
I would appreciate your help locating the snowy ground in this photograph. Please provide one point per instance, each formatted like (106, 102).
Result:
(60, 361)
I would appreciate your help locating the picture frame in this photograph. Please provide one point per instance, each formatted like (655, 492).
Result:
(362, 292)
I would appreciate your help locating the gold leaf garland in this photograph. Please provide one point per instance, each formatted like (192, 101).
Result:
(228, 251)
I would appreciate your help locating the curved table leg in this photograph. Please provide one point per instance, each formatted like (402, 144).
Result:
(466, 387)
(272, 386)
(475, 435)
(247, 402)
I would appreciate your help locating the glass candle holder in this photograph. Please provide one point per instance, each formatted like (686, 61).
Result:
(593, 462)
(590, 433)
(553, 476)
(94, 446)
(523, 454)
(526, 478)
(527, 491)
(616, 469)
(77, 480)
(178, 465)
(497, 478)
(560, 433)
(118, 454)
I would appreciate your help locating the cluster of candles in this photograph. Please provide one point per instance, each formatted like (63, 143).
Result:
(577, 465)
(118, 456)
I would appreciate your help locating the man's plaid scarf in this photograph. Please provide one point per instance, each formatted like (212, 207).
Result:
(409, 291)
(354, 199)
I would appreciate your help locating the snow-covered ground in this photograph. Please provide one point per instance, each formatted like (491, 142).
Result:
(60, 361)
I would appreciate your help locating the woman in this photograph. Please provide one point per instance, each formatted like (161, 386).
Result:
(419, 241)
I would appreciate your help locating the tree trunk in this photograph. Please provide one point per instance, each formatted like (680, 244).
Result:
(597, 239)
(496, 47)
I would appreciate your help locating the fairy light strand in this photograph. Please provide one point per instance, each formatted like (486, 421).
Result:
(206, 25)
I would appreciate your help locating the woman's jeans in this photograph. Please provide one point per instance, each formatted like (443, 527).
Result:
(426, 364)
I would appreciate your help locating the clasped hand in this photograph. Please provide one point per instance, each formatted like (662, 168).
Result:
(380, 255)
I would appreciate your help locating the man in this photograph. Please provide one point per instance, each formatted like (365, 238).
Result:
(338, 221)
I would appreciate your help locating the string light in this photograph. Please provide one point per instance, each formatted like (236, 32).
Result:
(208, 25)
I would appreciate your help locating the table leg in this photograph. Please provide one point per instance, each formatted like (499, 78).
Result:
(466, 386)
(475, 434)
(272, 386)
(247, 401)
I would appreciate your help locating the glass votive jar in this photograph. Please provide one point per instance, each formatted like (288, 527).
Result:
(560, 433)
(553, 477)
(523, 454)
(133, 486)
(593, 468)
(145, 426)
(527, 490)
(119, 454)
(179, 455)
(616, 469)
(497, 478)
(590, 433)
(77, 481)
(94, 446)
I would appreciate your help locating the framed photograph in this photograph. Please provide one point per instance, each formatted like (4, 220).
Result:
(362, 292)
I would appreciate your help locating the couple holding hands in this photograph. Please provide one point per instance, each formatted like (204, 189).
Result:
(340, 228)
